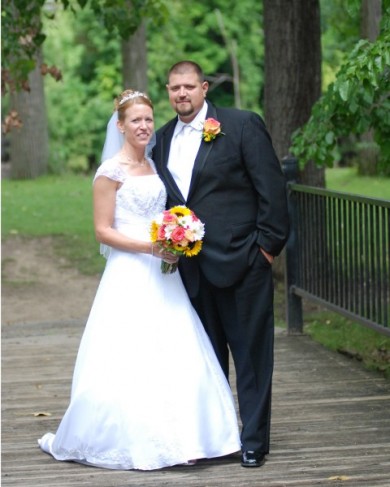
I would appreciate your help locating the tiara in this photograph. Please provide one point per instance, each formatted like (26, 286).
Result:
(130, 96)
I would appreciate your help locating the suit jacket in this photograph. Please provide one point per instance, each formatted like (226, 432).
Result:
(237, 189)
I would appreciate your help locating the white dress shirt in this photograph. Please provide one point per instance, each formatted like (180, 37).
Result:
(184, 148)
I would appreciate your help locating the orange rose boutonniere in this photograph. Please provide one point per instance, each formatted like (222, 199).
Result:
(211, 129)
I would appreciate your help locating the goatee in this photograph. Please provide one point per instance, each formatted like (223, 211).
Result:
(184, 112)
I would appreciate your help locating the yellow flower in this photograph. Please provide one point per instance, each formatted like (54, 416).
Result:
(193, 249)
(180, 210)
(180, 247)
(154, 232)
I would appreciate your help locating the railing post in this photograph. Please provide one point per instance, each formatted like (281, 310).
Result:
(294, 315)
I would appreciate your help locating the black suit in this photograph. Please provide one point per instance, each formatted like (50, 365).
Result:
(238, 190)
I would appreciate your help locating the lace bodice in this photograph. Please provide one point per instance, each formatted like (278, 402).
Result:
(139, 199)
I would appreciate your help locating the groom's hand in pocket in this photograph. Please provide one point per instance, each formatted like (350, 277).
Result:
(268, 256)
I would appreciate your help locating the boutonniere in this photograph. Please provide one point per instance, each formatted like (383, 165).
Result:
(211, 129)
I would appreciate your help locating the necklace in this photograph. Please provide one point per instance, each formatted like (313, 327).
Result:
(132, 163)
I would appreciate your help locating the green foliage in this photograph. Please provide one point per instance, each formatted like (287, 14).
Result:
(86, 47)
(90, 57)
(57, 206)
(21, 37)
(22, 28)
(192, 31)
(125, 16)
(340, 21)
(358, 100)
(80, 105)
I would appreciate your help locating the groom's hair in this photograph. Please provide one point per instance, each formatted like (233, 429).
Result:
(183, 67)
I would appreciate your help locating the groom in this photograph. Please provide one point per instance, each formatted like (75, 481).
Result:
(226, 171)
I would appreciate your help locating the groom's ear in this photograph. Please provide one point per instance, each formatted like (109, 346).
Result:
(205, 88)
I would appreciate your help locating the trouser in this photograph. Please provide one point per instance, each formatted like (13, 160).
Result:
(240, 318)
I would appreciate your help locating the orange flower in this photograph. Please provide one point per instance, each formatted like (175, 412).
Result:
(211, 129)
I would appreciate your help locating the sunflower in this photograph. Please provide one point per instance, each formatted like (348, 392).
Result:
(193, 249)
(154, 231)
(180, 211)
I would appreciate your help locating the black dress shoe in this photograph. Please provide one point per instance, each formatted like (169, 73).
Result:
(251, 458)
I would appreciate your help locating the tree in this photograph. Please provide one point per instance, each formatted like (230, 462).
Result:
(292, 72)
(357, 101)
(22, 29)
(371, 12)
(134, 60)
(29, 137)
(29, 143)
(22, 41)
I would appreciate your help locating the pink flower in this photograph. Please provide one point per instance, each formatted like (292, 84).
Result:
(169, 217)
(161, 233)
(177, 234)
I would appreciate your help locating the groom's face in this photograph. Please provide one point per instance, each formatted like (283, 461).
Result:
(186, 94)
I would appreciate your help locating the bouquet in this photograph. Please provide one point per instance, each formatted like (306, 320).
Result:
(179, 231)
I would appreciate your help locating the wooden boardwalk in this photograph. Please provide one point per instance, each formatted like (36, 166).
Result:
(330, 423)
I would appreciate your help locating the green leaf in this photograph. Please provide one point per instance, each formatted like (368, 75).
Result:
(343, 89)
(329, 138)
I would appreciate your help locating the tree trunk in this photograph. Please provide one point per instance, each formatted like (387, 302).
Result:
(29, 145)
(371, 13)
(368, 153)
(292, 77)
(134, 61)
(231, 47)
(292, 72)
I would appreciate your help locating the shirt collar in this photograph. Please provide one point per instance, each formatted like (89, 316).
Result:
(196, 124)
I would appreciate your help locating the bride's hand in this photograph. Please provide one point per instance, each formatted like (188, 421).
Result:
(169, 257)
(164, 255)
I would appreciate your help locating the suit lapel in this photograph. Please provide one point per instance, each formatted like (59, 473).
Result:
(165, 173)
(203, 153)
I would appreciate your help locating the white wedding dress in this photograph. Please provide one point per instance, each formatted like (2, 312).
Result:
(147, 389)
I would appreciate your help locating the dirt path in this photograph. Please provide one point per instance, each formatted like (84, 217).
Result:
(39, 287)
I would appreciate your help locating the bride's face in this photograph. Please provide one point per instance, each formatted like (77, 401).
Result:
(138, 124)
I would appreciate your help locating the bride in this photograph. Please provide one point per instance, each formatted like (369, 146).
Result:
(147, 389)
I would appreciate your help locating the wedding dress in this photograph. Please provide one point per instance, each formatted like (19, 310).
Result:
(147, 389)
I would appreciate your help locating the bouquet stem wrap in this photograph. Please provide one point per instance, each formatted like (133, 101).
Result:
(167, 268)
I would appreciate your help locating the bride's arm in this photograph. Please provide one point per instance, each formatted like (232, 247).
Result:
(104, 195)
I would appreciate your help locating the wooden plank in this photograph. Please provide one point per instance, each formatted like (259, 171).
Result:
(331, 419)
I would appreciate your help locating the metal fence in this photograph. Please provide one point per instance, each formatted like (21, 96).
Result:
(338, 256)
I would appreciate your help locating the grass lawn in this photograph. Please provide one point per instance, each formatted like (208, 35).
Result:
(61, 206)
(346, 180)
